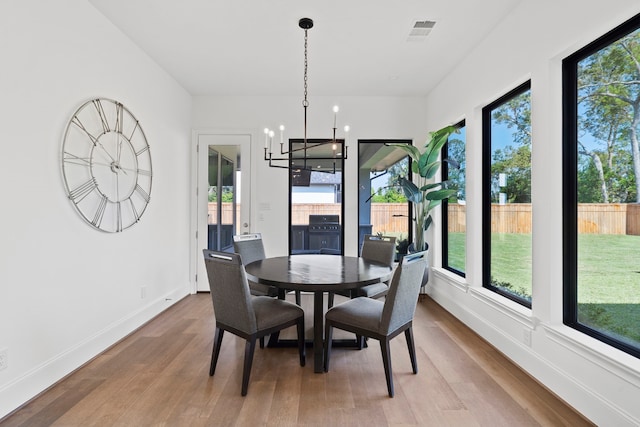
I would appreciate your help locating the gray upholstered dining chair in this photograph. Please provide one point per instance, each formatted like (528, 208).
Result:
(251, 248)
(381, 249)
(240, 313)
(382, 320)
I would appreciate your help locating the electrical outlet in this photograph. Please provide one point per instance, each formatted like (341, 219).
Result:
(526, 337)
(4, 359)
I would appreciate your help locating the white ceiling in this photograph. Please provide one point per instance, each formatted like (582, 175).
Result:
(255, 47)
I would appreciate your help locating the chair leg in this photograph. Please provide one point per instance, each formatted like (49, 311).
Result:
(261, 342)
(301, 344)
(328, 339)
(249, 348)
(298, 299)
(330, 299)
(217, 342)
(386, 360)
(412, 349)
(360, 342)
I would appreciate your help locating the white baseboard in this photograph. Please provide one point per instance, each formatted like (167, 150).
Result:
(597, 382)
(24, 388)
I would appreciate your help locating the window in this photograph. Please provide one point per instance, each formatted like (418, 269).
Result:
(382, 206)
(601, 187)
(454, 213)
(506, 238)
(315, 198)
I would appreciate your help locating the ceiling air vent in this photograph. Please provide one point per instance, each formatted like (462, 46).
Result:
(420, 30)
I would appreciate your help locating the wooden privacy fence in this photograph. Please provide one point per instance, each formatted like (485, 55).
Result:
(385, 217)
(593, 218)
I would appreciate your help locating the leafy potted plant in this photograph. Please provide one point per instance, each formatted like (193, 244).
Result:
(401, 248)
(423, 194)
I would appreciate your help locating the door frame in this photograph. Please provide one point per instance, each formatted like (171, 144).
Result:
(196, 206)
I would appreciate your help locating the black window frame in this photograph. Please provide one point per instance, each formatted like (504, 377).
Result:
(445, 208)
(410, 220)
(342, 143)
(486, 192)
(570, 183)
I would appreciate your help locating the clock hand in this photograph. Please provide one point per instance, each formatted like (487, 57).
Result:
(114, 165)
(119, 146)
(104, 150)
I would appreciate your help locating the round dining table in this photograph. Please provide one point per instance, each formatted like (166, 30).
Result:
(318, 274)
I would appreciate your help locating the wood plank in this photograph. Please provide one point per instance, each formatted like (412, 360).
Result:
(159, 375)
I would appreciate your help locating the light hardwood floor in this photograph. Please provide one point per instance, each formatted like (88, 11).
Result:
(159, 376)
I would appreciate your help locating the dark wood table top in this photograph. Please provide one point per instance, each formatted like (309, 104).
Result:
(317, 272)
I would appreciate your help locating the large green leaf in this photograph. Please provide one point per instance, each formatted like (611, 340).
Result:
(438, 139)
(411, 191)
(414, 168)
(430, 186)
(433, 204)
(427, 222)
(440, 194)
(430, 170)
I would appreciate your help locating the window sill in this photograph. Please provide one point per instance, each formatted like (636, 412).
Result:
(512, 309)
(450, 278)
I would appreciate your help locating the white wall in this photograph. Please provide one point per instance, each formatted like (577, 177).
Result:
(600, 382)
(68, 291)
(368, 117)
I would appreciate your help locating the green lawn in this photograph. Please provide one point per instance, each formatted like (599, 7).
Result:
(608, 276)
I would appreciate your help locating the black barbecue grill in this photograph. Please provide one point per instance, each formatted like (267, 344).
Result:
(324, 232)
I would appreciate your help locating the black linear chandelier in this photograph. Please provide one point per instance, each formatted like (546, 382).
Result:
(311, 152)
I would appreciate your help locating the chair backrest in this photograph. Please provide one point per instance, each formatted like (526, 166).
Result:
(380, 249)
(330, 251)
(400, 302)
(249, 246)
(230, 291)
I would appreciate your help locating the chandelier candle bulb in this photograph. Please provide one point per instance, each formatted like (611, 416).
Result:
(335, 115)
(266, 137)
(281, 134)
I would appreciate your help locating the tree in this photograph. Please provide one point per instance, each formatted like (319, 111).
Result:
(609, 94)
(516, 164)
(589, 181)
(457, 170)
(514, 160)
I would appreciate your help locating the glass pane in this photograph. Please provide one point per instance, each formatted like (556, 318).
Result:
(456, 206)
(316, 198)
(383, 207)
(212, 216)
(227, 220)
(510, 196)
(222, 209)
(608, 278)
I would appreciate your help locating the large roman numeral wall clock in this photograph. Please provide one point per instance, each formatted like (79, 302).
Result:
(106, 164)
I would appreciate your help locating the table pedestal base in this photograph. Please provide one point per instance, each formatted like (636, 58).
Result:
(318, 333)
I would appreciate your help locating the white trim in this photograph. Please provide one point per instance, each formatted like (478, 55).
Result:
(22, 389)
(618, 363)
(248, 161)
(581, 370)
(504, 305)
